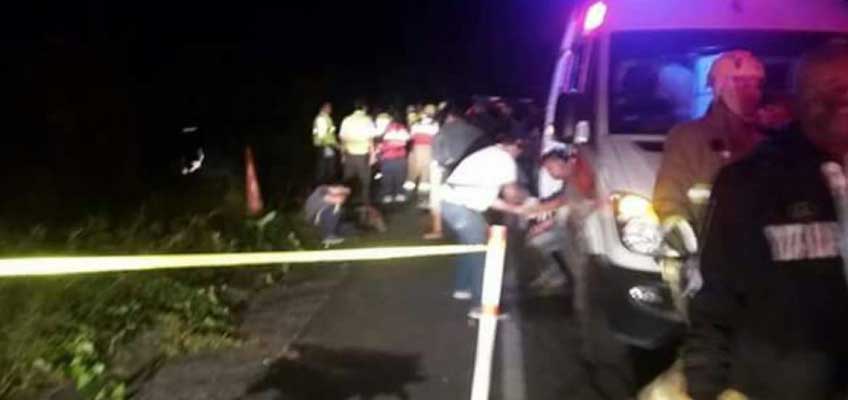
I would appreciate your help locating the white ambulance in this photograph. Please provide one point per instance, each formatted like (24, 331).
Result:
(629, 70)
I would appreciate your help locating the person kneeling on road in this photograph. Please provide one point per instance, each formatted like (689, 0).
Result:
(547, 231)
(485, 180)
(324, 210)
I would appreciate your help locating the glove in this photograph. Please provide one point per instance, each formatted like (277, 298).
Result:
(679, 236)
(835, 176)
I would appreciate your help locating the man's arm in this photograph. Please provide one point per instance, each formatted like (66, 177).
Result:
(512, 196)
(318, 129)
(706, 349)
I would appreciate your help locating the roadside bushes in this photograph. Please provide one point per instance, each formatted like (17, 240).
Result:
(101, 332)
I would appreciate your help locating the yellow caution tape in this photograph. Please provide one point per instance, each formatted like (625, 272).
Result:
(40, 266)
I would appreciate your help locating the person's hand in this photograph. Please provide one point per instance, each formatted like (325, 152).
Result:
(837, 182)
(529, 207)
(835, 176)
(536, 212)
(679, 236)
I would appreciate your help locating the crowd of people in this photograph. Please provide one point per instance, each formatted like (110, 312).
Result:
(752, 196)
(388, 159)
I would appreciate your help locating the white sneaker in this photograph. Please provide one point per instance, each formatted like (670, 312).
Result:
(462, 295)
(387, 199)
(409, 186)
(401, 198)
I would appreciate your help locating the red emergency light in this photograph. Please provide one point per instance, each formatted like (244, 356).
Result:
(595, 15)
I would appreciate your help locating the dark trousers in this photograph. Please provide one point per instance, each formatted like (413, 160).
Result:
(326, 170)
(394, 174)
(358, 167)
(328, 220)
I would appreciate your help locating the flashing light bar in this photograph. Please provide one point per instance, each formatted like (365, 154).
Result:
(595, 16)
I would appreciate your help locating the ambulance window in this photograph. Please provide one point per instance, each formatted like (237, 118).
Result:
(659, 78)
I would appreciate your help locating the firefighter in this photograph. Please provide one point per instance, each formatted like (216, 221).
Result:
(694, 153)
(769, 320)
(422, 133)
(696, 150)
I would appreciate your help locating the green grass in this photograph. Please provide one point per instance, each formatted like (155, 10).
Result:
(70, 328)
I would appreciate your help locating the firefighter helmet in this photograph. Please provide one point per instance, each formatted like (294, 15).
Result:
(736, 78)
(736, 63)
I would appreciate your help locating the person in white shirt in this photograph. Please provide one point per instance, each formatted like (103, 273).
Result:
(485, 180)
(357, 133)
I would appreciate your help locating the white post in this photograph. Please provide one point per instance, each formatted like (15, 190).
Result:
(491, 297)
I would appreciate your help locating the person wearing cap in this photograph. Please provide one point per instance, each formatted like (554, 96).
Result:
(770, 320)
(484, 181)
(546, 234)
(357, 134)
(324, 140)
(553, 224)
(422, 133)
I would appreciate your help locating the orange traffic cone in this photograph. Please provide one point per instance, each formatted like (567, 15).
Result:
(252, 193)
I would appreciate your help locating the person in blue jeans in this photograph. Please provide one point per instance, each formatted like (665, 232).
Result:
(485, 180)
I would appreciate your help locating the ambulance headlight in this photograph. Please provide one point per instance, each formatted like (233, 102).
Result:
(638, 224)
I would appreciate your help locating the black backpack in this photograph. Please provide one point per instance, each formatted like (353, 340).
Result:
(455, 142)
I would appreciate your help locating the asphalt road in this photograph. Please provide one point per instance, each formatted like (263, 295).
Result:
(391, 330)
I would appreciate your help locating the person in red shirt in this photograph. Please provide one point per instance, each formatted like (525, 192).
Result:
(422, 133)
(392, 154)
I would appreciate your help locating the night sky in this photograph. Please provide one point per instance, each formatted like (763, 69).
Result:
(379, 48)
(119, 80)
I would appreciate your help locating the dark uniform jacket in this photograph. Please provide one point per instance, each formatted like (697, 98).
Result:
(772, 317)
(694, 153)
